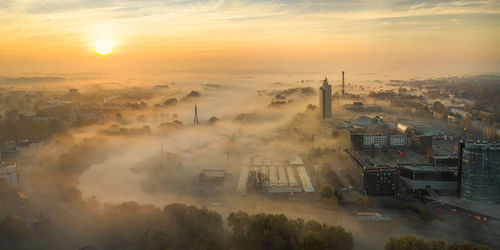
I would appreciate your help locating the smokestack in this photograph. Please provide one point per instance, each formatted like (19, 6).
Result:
(195, 115)
(343, 84)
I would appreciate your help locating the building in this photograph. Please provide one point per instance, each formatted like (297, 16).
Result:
(325, 100)
(29, 144)
(210, 181)
(375, 180)
(444, 154)
(479, 172)
(426, 176)
(400, 141)
(420, 142)
(365, 123)
(360, 142)
(438, 115)
(280, 176)
(212, 177)
(460, 112)
(401, 128)
(486, 129)
(380, 180)
(361, 107)
(9, 177)
(448, 160)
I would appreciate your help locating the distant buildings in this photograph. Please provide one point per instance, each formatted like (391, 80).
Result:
(325, 100)
(486, 129)
(361, 107)
(479, 172)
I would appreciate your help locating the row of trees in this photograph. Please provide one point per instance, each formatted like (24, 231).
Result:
(177, 226)
(410, 242)
(276, 231)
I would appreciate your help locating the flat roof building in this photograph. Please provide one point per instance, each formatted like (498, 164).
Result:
(282, 176)
(376, 180)
(423, 176)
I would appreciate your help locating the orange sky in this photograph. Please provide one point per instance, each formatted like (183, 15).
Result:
(409, 37)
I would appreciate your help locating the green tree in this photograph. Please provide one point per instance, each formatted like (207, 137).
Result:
(410, 242)
(326, 192)
(257, 181)
(13, 227)
(157, 240)
(406, 242)
(466, 246)
(437, 245)
(337, 238)
(312, 241)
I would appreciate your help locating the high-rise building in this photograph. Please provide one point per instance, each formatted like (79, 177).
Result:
(325, 100)
(196, 122)
(479, 172)
(343, 93)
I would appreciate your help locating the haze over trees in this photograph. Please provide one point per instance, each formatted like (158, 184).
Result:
(130, 225)
(410, 242)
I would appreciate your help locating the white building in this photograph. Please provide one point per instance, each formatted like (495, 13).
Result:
(8, 175)
(283, 177)
(378, 141)
(29, 145)
(461, 112)
(399, 141)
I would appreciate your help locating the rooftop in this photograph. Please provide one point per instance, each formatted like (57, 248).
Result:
(482, 146)
(297, 160)
(212, 174)
(424, 167)
(7, 168)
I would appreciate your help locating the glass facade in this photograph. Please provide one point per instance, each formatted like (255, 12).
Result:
(480, 172)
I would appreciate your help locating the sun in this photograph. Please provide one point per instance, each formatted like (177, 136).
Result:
(103, 47)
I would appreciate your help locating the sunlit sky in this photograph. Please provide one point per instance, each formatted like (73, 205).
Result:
(428, 36)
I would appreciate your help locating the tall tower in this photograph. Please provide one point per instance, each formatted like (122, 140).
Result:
(343, 93)
(325, 100)
(195, 115)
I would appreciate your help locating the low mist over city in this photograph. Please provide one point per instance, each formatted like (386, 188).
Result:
(293, 125)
